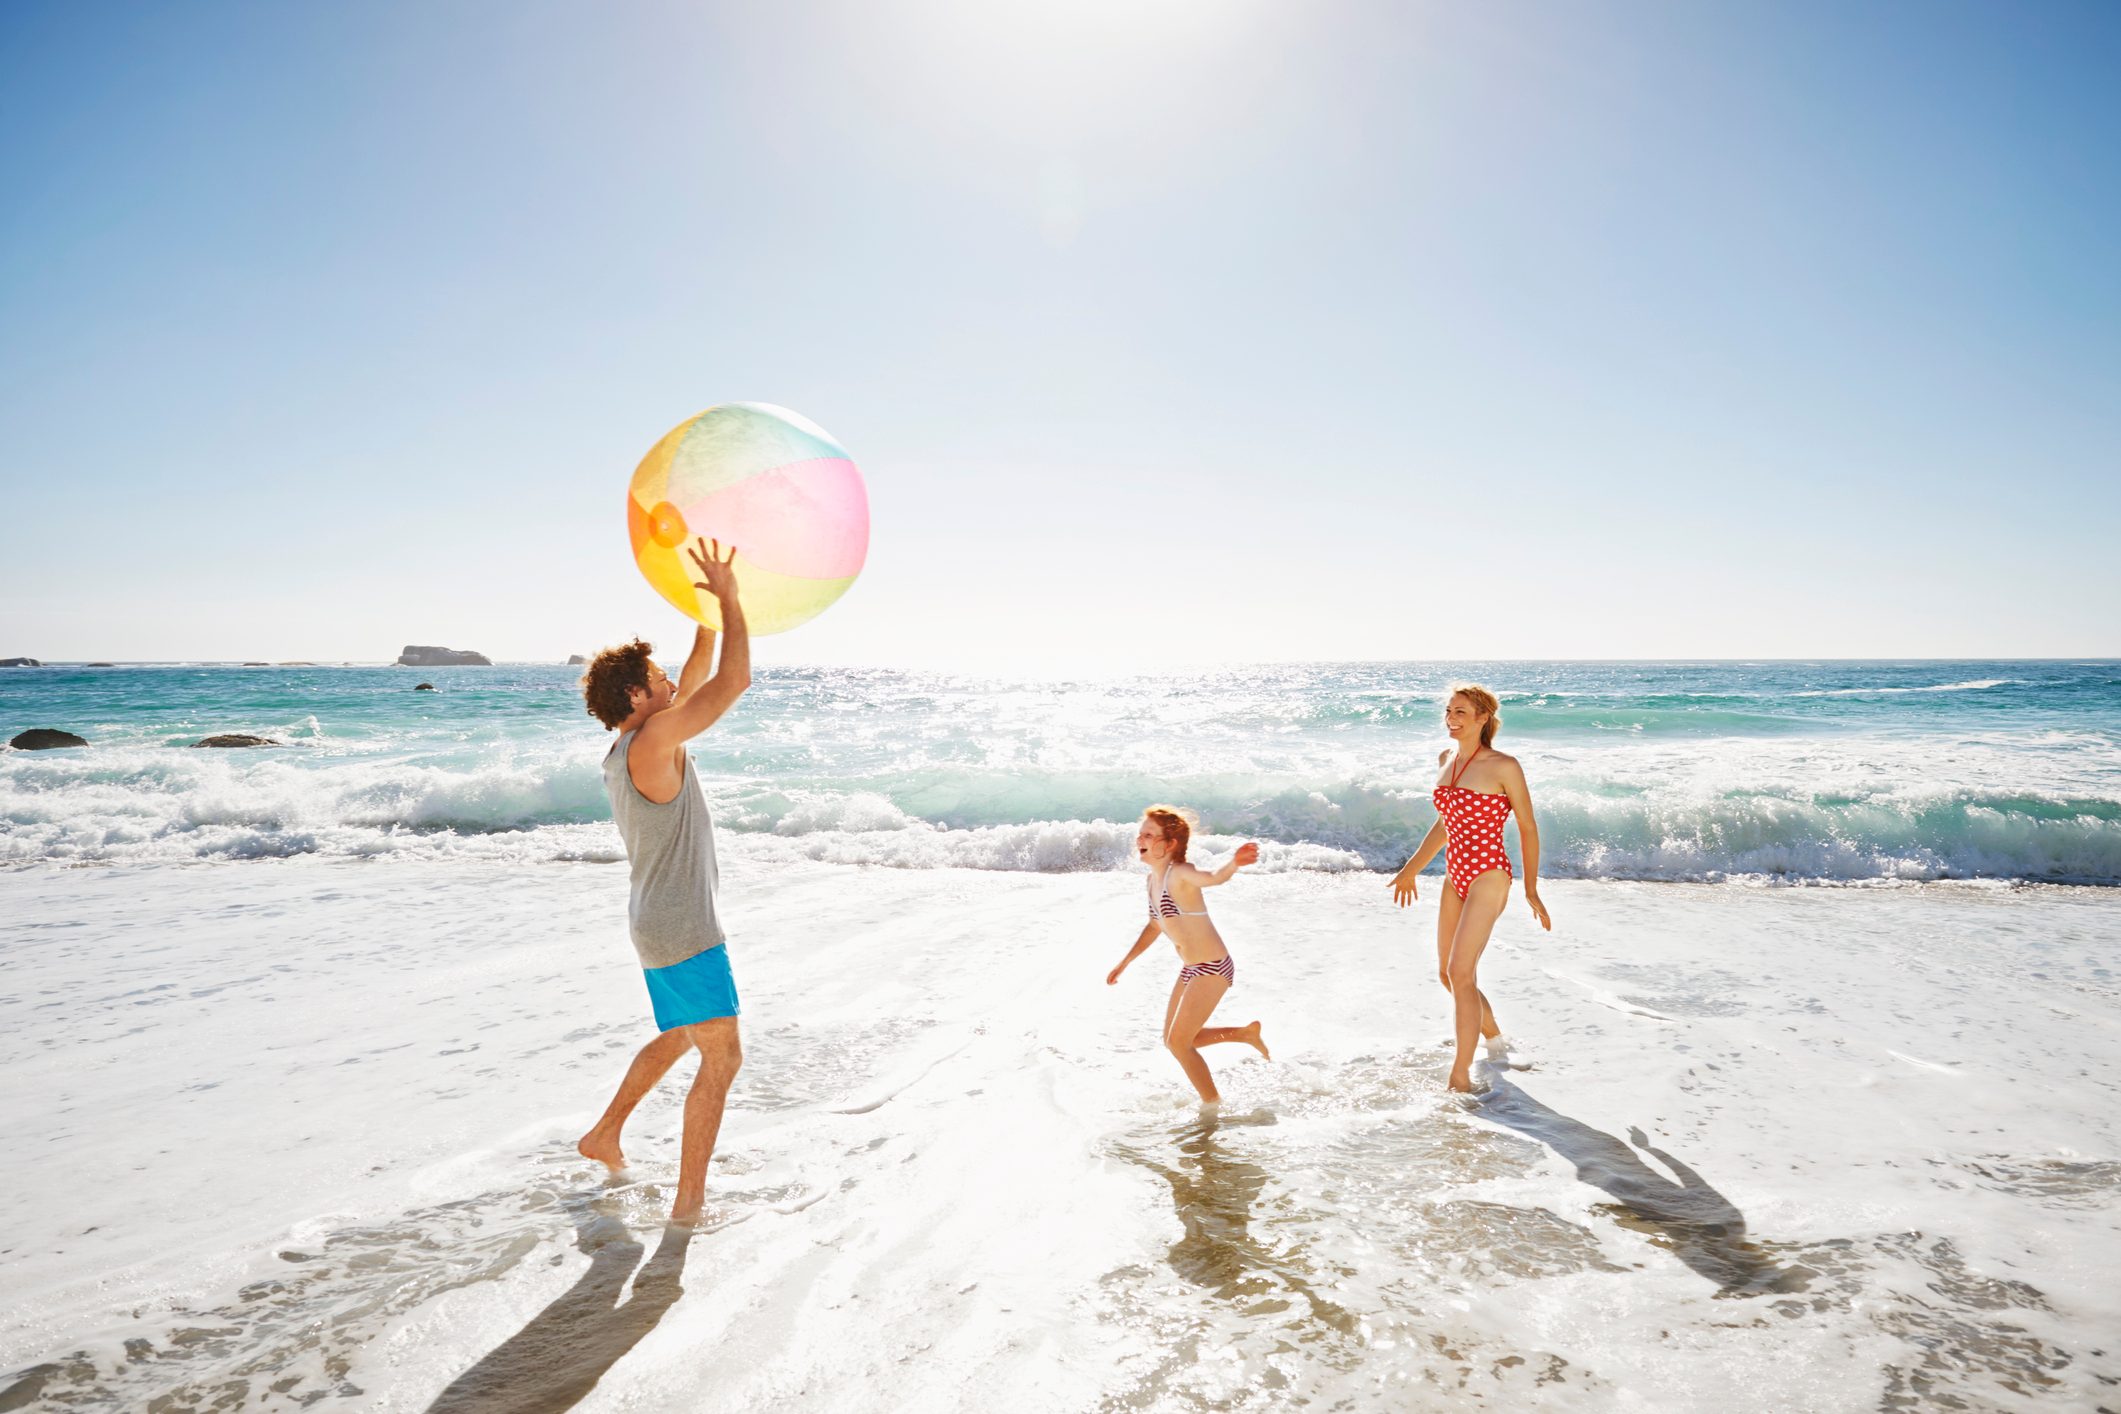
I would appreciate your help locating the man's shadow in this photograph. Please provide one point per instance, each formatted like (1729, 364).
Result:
(557, 1358)
(1697, 1224)
(1213, 1192)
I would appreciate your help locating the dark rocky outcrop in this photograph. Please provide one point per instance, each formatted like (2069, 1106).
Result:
(20, 663)
(576, 660)
(425, 687)
(102, 665)
(44, 739)
(236, 739)
(418, 655)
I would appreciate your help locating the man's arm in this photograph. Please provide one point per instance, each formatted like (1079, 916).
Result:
(695, 711)
(698, 662)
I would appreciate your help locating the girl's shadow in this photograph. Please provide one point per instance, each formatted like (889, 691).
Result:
(1697, 1224)
(560, 1355)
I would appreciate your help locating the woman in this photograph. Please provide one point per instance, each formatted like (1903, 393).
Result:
(1177, 910)
(1476, 789)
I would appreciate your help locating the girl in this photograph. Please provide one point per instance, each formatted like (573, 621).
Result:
(1476, 790)
(1177, 910)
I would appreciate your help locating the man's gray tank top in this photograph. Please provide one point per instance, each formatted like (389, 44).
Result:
(671, 846)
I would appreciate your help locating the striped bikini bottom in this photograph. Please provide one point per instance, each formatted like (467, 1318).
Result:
(1221, 967)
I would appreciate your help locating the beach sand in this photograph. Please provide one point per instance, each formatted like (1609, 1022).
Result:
(303, 1128)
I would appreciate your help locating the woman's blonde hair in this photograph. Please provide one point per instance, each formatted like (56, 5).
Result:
(1176, 824)
(1483, 701)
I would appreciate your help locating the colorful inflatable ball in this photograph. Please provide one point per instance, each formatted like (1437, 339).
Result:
(767, 481)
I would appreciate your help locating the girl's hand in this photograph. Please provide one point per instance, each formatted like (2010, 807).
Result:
(1403, 890)
(1247, 853)
(1539, 910)
(1112, 977)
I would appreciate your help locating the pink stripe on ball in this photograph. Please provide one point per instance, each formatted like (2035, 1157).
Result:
(806, 518)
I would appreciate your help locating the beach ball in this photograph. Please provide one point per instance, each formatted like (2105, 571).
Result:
(767, 481)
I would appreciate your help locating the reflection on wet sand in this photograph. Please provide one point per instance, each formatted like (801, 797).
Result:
(1213, 1193)
(555, 1360)
(1697, 1224)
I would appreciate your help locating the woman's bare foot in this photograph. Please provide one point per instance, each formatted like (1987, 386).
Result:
(685, 1212)
(1461, 1083)
(604, 1148)
(1249, 1034)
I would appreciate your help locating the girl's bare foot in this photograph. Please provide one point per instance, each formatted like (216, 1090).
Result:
(1251, 1037)
(1461, 1083)
(603, 1148)
(685, 1212)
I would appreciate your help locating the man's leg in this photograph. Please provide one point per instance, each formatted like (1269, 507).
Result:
(721, 1053)
(602, 1141)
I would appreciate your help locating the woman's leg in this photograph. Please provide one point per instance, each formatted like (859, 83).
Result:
(1484, 903)
(1448, 911)
(1196, 1003)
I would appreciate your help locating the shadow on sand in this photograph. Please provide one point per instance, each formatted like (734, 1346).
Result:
(557, 1358)
(1688, 1218)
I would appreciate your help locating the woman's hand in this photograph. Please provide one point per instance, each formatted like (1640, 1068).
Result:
(1539, 910)
(1403, 890)
(1247, 853)
(1112, 977)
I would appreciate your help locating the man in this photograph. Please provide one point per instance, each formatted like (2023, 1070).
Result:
(662, 817)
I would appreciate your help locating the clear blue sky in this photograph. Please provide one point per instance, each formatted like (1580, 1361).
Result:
(1200, 330)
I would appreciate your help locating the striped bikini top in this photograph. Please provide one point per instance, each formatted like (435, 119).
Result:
(1162, 905)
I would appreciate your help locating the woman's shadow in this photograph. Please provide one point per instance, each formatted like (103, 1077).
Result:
(560, 1355)
(1697, 1224)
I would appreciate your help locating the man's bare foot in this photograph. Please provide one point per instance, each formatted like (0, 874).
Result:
(1251, 1037)
(603, 1148)
(685, 1212)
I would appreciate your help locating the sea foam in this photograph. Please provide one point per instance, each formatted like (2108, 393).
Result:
(1806, 772)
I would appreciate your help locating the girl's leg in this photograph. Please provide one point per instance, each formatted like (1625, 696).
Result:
(1196, 1002)
(1476, 920)
(1247, 1033)
(1448, 910)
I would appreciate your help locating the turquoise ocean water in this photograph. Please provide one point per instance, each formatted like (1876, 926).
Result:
(1700, 771)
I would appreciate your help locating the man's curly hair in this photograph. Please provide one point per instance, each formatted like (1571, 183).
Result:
(613, 674)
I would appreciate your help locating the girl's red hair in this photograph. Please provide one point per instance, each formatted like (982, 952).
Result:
(1176, 824)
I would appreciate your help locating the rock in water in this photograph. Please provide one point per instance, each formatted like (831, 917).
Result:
(425, 687)
(418, 655)
(576, 660)
(44, 739)
(20, 663)
(103, 665)
(235, 739)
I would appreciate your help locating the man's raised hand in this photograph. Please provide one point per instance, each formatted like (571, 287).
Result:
(720, 579)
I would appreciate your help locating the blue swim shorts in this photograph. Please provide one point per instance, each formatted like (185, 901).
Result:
(700, 988)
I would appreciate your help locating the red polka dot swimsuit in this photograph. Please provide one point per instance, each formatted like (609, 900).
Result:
(1472, 823)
